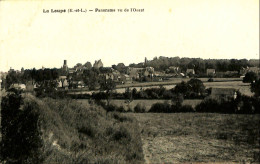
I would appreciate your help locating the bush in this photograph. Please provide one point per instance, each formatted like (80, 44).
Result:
(250, 77)
(255, 87)
(241, 105)
(186, 108)
(208, 105)
(21, 141)
(210, 80)
(139, 108)
(122, 133)
(161, 108)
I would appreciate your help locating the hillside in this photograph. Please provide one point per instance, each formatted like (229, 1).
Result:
(65, 131)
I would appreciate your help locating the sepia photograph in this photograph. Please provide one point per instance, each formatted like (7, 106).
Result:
(129, 81)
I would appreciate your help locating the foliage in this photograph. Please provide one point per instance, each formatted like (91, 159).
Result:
(69, 132)
(91, 78)
(49, 89)
(161, 108)
(255, 88)
(250, 77)
(108, 85)
(241, 105)
(194, 88)
(139, 108)
(21, 141)
(199, 65)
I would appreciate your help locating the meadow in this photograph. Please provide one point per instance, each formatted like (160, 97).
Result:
(236, 83)
(199, 137)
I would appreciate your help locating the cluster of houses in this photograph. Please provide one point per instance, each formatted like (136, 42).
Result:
(128, 75)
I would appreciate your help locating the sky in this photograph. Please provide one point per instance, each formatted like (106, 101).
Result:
(215, 29)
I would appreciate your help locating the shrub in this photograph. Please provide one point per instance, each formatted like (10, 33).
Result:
(121, 118)
(139, 108)
(208, 105)
(167, 94)
(186, 108)
(161, 108)
(250, 77)
(21, 141)
(255, 88)
(122, 133)
(210, 80)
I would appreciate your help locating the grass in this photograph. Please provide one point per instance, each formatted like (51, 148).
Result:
(146, 103)
(197, 137)
(244, 88)
(72, 132)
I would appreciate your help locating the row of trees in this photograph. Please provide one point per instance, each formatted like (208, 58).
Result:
(90, 77)
(32, 75)
(198, 64)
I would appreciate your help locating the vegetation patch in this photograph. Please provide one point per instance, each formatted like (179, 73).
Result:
(66, 131)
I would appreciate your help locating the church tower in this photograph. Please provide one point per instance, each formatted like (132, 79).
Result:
(145, 62)
(65, 66)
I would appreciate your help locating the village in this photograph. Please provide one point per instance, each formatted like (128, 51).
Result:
(71, 78)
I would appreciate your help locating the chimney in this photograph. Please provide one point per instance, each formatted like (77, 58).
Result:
(65, 62)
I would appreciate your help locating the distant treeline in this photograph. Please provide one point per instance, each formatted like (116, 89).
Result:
(198, 64)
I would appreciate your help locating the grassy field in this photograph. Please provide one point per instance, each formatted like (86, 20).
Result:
(174, 81)
(197, 137)
(148, 103)
(244, 88)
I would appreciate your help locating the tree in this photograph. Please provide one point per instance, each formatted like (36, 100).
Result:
(196, 85)
(107, 85)
(12, 77)
(21, 142)
(250, 77)
(88, 65)
(121, 67)
(255, 87)
(181, 88)
(177, 100)
(90, 78)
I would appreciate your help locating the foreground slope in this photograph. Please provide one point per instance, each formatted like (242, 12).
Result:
(69, 132)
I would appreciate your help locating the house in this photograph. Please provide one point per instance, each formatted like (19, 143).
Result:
(190, 71)
(134, 73)
(71, 71)
(63, 83)
(253, 69)
(98, 64)
(223, 93)
(30, 86)
(18, 86)
(107, 76)
(125, 79)
(211, 72)
(243, 71)
(59, 84)
(149, 72)
(62, 77)
(173, 69)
